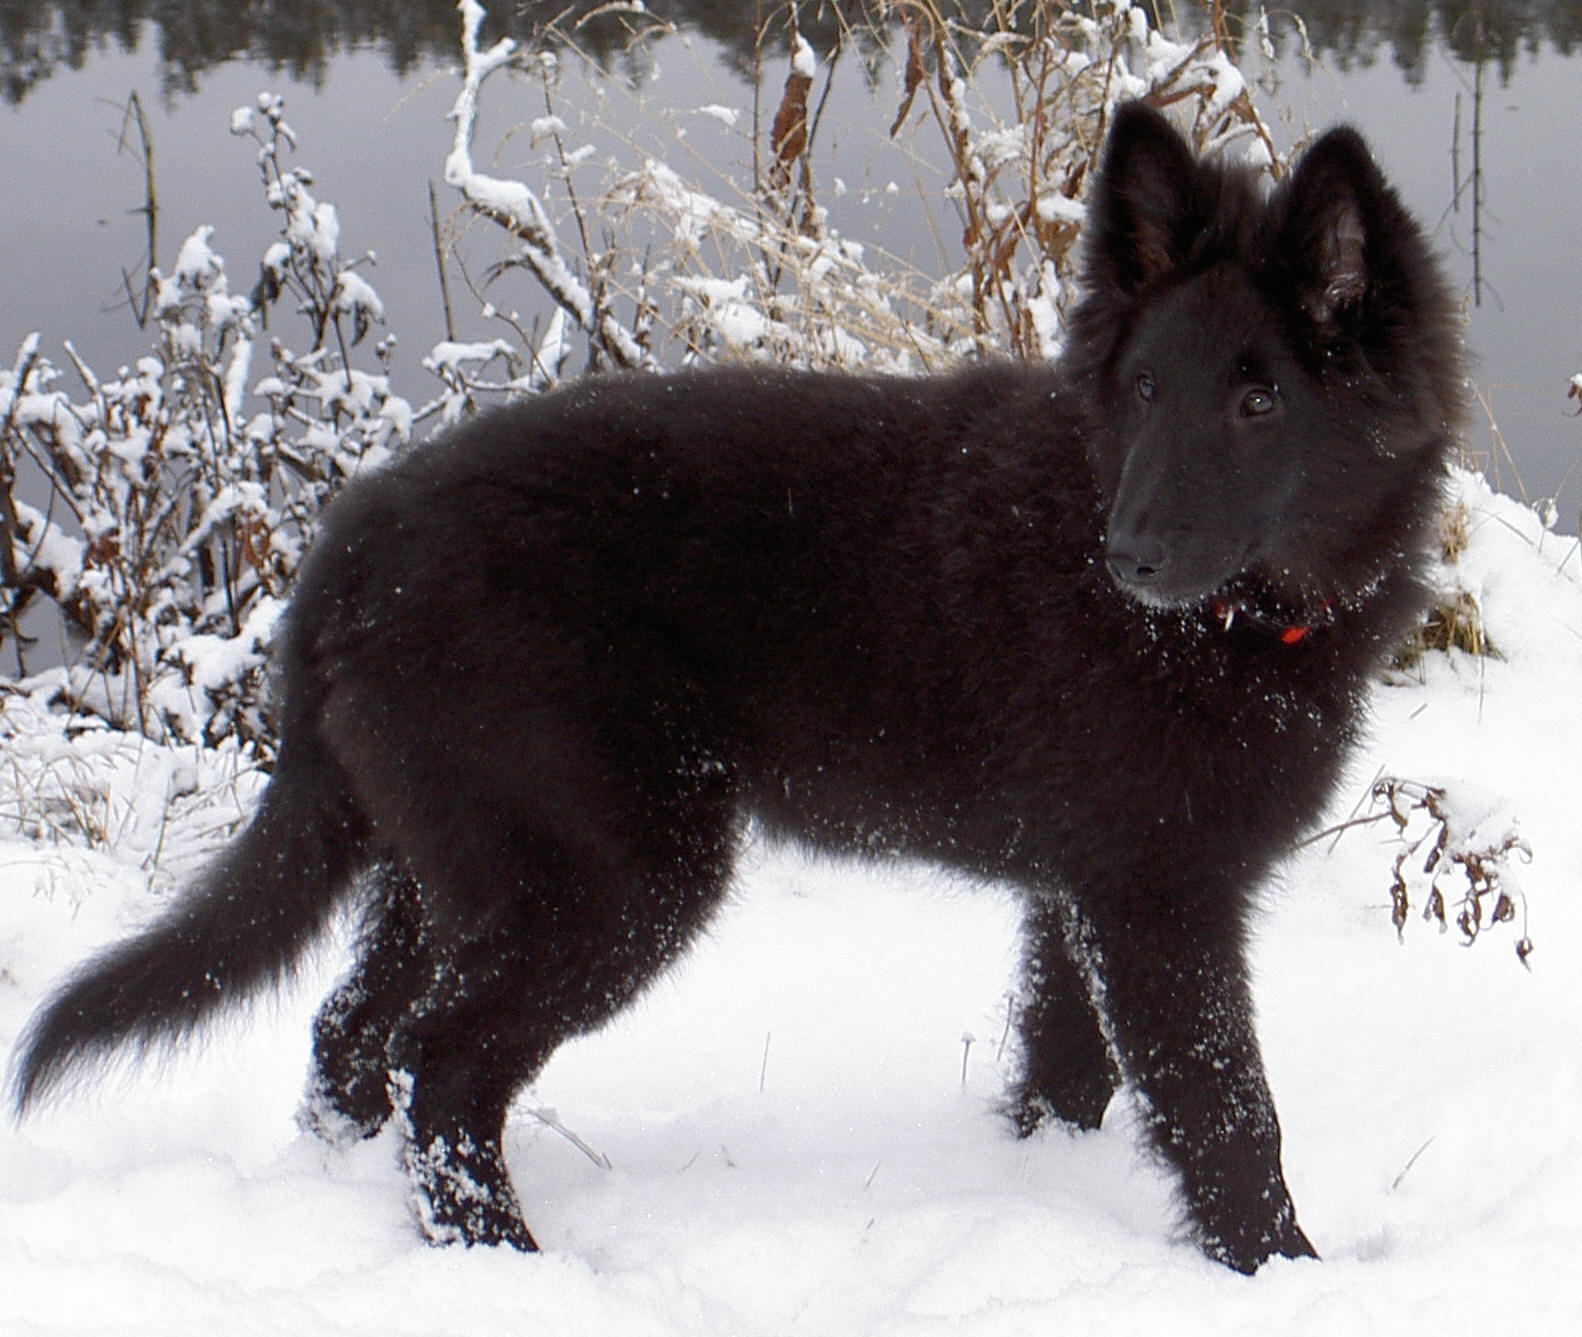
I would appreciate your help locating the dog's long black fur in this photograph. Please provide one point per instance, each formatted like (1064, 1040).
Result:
(1102, 631)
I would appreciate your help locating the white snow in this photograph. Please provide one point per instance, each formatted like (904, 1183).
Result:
(450, 353)
(803, 61)
(354, 293)
(791, 1146)
(197, 265)
(1055, 206)
(727, 116)
(277, 257)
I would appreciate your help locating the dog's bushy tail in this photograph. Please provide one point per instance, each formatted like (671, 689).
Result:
(238, 930)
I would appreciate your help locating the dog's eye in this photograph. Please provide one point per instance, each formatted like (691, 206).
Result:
(1144, 385)
(1258, 401)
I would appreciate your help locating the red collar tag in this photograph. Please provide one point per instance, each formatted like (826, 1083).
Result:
(1226, 611)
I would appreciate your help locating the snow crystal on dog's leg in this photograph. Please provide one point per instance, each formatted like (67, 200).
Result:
(459, 1191)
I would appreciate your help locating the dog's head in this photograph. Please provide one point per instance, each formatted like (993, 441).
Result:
(1272, 372)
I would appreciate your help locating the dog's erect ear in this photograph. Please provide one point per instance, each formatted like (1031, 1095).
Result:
(1145, 204)
(1334, 202)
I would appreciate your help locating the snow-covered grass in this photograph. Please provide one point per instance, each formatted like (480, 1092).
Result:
(791, 1146)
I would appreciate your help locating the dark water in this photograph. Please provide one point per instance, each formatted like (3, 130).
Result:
(368, 85)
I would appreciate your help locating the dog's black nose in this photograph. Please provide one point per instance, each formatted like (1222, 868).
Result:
(1136, 559)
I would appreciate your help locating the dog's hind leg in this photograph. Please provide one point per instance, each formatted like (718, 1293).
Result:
(348, 1094)
(579, 929)
(1066, 1068)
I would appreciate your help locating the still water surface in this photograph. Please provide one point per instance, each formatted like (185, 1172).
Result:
(368, 100)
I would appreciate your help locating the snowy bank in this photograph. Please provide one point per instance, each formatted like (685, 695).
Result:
(800, 1139)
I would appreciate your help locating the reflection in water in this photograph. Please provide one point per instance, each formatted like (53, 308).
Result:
(299, 38)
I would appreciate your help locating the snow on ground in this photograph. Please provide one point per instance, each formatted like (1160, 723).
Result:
(791, 1146)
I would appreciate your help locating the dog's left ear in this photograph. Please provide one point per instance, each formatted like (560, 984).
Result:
(1145, 211)
(1336, 202)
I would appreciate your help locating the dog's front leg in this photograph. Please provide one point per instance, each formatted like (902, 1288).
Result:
(1169, 977)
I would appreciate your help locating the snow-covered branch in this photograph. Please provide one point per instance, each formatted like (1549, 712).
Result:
(514, 207)
(181, 496)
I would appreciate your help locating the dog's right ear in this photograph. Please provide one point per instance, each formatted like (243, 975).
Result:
(1145, 205)
(1342, 227)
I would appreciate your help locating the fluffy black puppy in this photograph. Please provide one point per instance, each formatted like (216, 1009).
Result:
(1102, 631)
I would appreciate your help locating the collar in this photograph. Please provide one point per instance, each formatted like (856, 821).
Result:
(1227, 610)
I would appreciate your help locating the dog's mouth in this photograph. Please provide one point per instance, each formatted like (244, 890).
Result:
(1221, 590)
(1159, 600)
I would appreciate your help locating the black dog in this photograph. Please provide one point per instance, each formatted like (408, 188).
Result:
(1102, 631)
